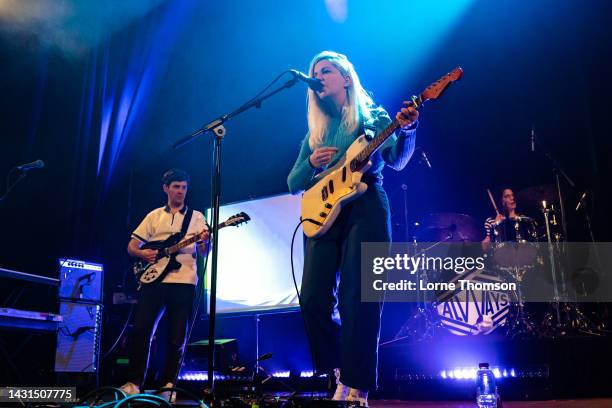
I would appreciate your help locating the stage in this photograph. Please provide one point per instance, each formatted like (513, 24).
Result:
(584, 403)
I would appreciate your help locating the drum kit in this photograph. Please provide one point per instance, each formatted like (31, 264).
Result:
(516, 248)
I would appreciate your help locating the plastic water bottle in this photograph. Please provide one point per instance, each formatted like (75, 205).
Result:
(486, 391)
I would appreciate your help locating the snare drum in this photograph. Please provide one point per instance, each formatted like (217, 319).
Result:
(518, 229)
(513, 240)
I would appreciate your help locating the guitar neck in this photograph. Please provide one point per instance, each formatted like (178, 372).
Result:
(177, 247)
(380, 138)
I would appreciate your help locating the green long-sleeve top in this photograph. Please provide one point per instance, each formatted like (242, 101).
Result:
(395, 152)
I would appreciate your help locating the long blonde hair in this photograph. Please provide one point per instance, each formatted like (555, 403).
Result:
(357, 106)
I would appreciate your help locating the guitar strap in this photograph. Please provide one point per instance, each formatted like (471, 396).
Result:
(186, 222)
(368, 129)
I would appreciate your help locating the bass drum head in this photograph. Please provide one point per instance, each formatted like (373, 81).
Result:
(477, 312)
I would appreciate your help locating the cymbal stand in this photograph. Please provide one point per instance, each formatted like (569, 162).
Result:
(522, 326)
(577, 320)
(558, 172)
(423, 323)
(550, 320)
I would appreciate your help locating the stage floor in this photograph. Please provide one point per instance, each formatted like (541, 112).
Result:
(576, 403)
(579, 403)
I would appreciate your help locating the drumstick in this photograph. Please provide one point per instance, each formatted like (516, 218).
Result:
(492, 201)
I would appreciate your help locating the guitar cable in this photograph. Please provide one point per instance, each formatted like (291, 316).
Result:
(297, 291)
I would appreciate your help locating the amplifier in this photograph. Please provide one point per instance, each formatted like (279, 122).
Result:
(78, 337)
(80, 280)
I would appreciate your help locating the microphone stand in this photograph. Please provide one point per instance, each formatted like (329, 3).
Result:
(218, 131)
(583, 203)
(557, 171)
(9, 185)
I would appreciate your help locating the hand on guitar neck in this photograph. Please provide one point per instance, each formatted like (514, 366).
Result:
(407, 116)
(203, 240)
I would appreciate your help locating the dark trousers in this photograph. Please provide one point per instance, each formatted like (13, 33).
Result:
(176, 301)
(335, 258)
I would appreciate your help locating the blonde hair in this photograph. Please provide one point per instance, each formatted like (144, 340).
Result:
(357, 106)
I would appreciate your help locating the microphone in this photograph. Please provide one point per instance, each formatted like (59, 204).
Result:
(265, 356)
(532, 139)
(581, 200)
(313, 83)
(425, 159)
(38, 164)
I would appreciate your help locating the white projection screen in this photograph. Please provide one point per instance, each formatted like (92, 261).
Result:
(254, 264)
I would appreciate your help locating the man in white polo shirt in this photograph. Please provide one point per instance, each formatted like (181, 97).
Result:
(175, 294)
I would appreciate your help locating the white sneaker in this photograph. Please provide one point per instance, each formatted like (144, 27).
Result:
(129, 388)
(169, 396)
(341, 392)
(341, 389)
(357, 395)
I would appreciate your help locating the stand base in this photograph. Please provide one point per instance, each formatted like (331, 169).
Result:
(422, 326)
(567, 319)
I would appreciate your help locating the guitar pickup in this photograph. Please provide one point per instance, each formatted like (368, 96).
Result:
(324, 193)
(331, 187)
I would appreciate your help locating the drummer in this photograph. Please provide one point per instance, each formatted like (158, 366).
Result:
(508, 205)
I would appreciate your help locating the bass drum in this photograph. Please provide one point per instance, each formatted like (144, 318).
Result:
(477, 312)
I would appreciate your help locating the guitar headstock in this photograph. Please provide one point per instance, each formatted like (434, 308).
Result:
(237, 219)
(436, 89)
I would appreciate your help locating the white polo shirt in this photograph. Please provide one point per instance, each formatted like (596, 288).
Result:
(159, 224)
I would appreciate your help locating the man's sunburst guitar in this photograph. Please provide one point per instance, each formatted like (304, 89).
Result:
(322, 203)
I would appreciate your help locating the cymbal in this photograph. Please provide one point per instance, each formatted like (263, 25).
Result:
(534, 195)
(450, 227)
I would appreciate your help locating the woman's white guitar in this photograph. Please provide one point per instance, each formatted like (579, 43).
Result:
(322, 203)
